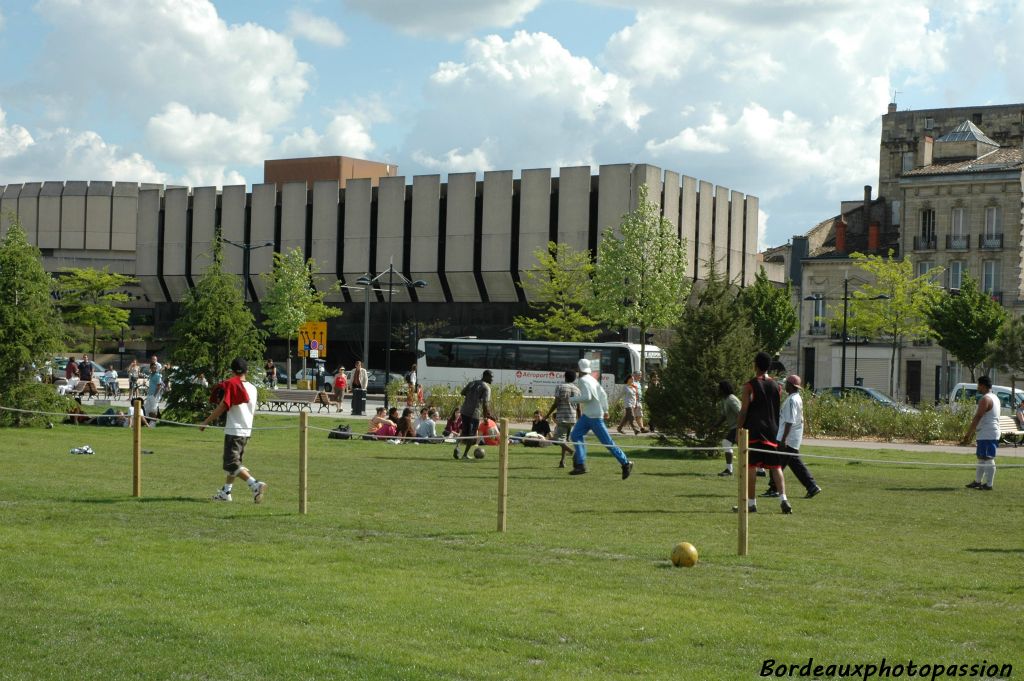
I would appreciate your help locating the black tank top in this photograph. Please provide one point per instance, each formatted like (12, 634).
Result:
(763, 411)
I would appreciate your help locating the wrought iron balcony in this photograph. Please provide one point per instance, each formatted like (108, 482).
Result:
(925, 243)
(818, 329)
(990, 241)
(960, 242)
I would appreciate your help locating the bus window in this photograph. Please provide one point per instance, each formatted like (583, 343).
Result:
(439, 354)
(615, 361)
(502, 356)
(472, 356)
(533, 358)
(564, 358)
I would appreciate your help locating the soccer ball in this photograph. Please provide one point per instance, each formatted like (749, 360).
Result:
(684, 555)
(479, 453)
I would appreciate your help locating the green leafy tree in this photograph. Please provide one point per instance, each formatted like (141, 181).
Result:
(561, 286)
(771, 313)
(967, 323)
(90, 298)
(292, 299)
(30, 329)
(902, 314)
(713, 343)
(1006, 350)
(639, 277)
(213, 327)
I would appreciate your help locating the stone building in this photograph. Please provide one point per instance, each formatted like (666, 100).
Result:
(950, 196)
(470, 238)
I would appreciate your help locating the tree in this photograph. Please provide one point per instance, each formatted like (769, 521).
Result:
(213, 327)
(902, 313)
(1006, 351)
(292, 299)
(966, 323)
(771, 313)
(30, 328)
(639, 278)
(563, 290)
(89, 297)
(713, 343)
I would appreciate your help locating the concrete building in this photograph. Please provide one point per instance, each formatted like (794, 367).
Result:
(470, 238)
(951, 197)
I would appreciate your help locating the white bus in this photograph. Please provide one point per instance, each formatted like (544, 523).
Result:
(535, 366)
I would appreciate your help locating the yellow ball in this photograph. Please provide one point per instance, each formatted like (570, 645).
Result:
(684, 555)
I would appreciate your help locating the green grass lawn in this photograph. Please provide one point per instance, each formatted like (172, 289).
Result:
(398, 573)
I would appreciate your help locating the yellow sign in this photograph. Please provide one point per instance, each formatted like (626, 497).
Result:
(313, 340)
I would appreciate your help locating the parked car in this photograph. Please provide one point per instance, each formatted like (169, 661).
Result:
(61, 363)
(968, 392)
(375, 379)
(868, 394)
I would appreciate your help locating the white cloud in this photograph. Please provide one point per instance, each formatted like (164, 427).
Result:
(319, 30)
(186, 137)
(143, 54)
(449, 19)
(66, 154)
(454, 161)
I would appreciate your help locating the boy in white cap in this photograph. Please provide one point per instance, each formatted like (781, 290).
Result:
(593, 403)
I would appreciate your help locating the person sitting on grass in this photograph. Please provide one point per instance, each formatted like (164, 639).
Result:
(426, 428)
(380, 426)
(541, 425)
(405, 424)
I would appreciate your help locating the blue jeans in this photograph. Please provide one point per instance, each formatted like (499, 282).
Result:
(596, 425)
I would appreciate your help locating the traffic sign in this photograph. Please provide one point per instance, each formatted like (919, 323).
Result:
(313, 340)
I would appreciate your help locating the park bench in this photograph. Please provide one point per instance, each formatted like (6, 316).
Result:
(1009, 431)
(284, 400)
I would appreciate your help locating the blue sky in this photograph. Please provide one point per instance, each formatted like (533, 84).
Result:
(781, 100)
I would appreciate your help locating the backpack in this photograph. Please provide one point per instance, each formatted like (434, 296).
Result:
(340, 433)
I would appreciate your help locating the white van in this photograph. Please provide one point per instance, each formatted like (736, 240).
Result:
(964, 392)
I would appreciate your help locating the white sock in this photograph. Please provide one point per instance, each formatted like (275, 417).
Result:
(226, 489)
(990, 472)
(728, 467)
(253, 483)
(751, 503)
(979, 472)
(782, 497)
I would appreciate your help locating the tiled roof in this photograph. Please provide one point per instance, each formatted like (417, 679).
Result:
(1007, 158)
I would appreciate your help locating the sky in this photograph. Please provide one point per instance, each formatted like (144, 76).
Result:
(782, 100)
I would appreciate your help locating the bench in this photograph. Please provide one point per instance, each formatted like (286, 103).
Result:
(1009, 431)
(284, 400)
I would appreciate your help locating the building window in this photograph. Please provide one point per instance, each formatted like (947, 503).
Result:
(819, 307)
(976, 118)
(956, 275)
(897, 208)
(992, 221)
(990, 276)
(929, 124)
(928, 224)
(908, 161)
(956, 224)
(924, 267)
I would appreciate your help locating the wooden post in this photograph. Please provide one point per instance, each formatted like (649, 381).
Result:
(303, 459)
(743, 456)
(502, 474)
(137, 448)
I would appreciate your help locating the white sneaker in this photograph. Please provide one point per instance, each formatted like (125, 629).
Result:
(257, 494)
(221, 495)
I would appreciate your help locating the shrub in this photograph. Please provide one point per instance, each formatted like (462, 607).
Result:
(507, 401)
(33, 397)
(856, 417)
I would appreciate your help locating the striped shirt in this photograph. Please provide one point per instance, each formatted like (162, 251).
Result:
(565, 412)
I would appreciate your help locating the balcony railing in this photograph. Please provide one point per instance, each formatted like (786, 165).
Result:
(960, 242)
(990, 241)
(925, 243)
(817, 329)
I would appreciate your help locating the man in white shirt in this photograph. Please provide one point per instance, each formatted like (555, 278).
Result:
(593, 403)
(239, 402)
(986, 424)
(791, 435)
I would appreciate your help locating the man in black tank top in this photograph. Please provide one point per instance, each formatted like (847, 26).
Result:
(759, 414)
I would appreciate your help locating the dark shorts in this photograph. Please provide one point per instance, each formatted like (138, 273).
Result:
(234, 448)
(469, 426)
(765, 459)
(562, 430)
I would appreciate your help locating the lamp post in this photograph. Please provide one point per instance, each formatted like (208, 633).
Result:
(846, 300)
(366, 280)
(246, 249)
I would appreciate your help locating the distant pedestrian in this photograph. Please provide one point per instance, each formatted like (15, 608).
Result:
(340, 383)
(71, 370)
(154, 392)
(791, 435)
(986, 424)
(239, 403)
(728, 411)
(270, 371)
(85, 369)
(593, 403)
(759, 415)
(631, 397)
(358, 383)
(565, 413)
(476, 404)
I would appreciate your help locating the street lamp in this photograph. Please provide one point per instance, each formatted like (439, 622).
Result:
(846, 300)
(366, 280)
(246, 249)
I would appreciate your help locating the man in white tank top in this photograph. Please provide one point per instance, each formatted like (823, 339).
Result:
(986, 424)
